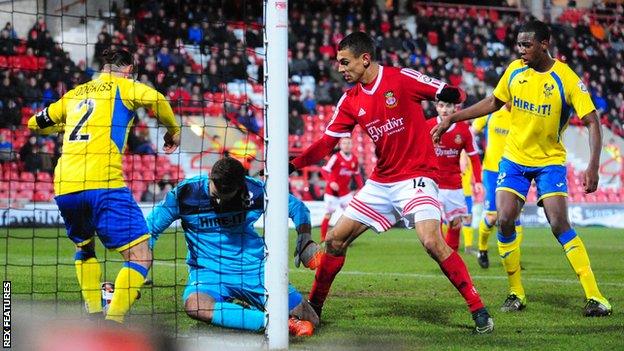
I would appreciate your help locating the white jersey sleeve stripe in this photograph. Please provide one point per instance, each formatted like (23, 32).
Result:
(337, 135)
(424, 79)
(330, 164)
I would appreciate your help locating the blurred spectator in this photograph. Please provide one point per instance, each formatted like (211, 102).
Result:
(32, 95)
(48, 95)
(195, 34)
(11, 114)
(139, 141)
(309, 104)
(247, 118)
(6, 150)
(46, 160)
(9, 28)
(296, 125)
(6, 43)
(29, 155)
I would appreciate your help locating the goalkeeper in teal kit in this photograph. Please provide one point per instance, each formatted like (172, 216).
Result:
(225, 254)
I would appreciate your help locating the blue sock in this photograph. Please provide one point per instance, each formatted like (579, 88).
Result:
(231, 315)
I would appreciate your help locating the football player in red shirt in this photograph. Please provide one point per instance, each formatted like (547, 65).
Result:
(386, 103)
(338, 172)
(448, 151)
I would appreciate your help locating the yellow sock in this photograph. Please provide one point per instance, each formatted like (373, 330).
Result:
(127, 285)
(468, 234)
(444, 229)
(519, 232)
(89, 273)
(509, 250)
(579, 260)
(485, 229)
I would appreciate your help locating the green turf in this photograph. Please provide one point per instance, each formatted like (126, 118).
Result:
(390, 294)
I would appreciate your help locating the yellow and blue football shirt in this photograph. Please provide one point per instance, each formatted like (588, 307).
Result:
(96, 117)
(541, 104)
(495, 127)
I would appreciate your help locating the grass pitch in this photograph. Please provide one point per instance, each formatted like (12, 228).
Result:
(389, 296)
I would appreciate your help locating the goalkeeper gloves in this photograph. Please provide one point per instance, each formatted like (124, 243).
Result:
(307, 252)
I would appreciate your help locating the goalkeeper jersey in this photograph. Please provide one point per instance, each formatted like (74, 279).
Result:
(96, 117)
(223, 241)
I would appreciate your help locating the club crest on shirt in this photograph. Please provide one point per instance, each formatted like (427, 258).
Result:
(391, 101)
(458, 139)
(548, 89)
(582, 86)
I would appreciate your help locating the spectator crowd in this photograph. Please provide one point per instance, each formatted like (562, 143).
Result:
(211, 66)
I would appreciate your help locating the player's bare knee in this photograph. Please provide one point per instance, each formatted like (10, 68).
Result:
(456, 223)
(197, 309)
(507, 223)
(139, 253)
(436, 247)
(335, 247)
(467, 220)
(559, 225)
(491, 218)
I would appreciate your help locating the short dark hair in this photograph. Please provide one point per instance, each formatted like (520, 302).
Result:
(359, 43)
(228, 175)
(541, 30)
(117, 57)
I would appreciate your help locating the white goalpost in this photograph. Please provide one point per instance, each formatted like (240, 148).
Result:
(276, 171)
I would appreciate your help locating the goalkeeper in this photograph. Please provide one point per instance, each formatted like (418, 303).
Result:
(225, 254)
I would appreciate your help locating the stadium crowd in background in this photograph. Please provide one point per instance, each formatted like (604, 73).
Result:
(463, 45)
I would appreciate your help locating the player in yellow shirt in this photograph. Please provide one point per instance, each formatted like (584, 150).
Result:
(88, 180)
(495, 127)
(542, 92)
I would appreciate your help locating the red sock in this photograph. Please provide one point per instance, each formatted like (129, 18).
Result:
(324, 227)
(325, 273)
(452, 237)
(455, 270)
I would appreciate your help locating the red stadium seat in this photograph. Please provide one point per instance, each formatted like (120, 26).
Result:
(27, 177)
(42, 196)
(26, 186)
(44, 177)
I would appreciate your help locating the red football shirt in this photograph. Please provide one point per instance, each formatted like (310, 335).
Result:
(340, 169)
(457, 138)
(389, 110)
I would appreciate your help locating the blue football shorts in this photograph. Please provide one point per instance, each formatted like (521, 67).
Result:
(111, 213)
(247, 287)
(515, 178)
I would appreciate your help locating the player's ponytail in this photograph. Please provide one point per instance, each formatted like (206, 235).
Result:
(117, 58)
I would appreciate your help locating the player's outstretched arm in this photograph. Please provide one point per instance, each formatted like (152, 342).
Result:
(481, 108)
(161, 217)
(591, 177)
(314, 153)
(150, 98)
